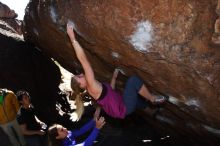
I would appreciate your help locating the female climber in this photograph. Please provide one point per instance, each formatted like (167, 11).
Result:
(113, 103)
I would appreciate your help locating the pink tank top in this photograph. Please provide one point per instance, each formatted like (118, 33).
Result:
(112, 102)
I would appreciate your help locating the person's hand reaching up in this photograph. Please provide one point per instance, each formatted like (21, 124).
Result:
(69, 29)
(100, 122)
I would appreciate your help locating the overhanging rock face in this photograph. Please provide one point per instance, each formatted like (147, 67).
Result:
(172, 45)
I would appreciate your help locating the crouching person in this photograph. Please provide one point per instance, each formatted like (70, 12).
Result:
(31, 127)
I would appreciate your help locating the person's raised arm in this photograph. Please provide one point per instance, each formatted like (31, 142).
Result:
(100, 122)
(89, 74)
(114, 77)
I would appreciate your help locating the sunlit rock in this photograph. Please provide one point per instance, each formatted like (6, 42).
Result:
(8, 21)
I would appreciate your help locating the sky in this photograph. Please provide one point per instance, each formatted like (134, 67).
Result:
(17, 5)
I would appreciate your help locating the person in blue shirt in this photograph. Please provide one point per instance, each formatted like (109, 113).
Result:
(60, 136)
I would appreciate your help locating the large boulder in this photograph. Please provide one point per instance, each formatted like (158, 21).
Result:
(172, 45)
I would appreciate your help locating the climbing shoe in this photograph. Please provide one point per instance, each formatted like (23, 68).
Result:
(160, 99)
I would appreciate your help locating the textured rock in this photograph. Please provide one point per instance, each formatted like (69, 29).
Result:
(11, 27)
(8, 21)
(171, 44)
(216, 35)
(6, 12)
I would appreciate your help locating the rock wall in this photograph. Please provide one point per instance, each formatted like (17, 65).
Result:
(172, 45)
(8, 23)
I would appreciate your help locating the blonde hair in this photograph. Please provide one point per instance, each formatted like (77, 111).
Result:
(77, 95)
